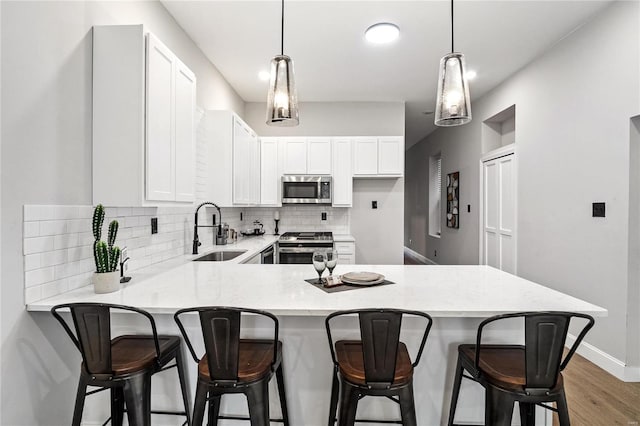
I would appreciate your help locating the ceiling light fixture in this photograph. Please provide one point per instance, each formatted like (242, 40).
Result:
(453, 105)
(382, 33)
(282, 100)
(264, 75)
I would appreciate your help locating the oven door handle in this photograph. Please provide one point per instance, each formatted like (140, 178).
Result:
(286, 250)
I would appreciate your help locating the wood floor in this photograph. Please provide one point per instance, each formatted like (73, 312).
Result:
(596, 398)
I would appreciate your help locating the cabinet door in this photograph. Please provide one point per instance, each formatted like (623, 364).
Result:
(319, 156)
(342, 173)
(185, 101)
(160, 148)
(254, 169)
(365, 156)
(294, 156)
(269, 174)
(241, 159)
(391, 156)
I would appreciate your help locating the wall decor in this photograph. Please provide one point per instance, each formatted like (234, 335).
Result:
(453, 195)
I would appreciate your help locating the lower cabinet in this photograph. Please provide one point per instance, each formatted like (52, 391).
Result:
(346, 252)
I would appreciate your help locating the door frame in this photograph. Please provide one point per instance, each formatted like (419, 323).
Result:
(489, 156)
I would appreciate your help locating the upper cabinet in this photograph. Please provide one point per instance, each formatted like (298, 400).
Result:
(233, 162)
(306, 156)
(378, 156)
(143, 120)
(342, 173)
(270, 176)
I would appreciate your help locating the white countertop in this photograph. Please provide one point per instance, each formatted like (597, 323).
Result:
(343, 238)
(442, 291)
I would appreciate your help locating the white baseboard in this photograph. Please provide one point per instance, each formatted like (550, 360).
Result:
(417, 256)
(605, 361)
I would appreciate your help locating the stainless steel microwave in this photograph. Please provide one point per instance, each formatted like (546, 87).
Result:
(304, 189)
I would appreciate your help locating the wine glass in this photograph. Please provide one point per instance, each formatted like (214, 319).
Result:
(332, 260)
(320, 263)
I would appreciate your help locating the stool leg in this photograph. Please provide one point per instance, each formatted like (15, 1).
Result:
(348, 404)
(456, 391)
(563, 409)
(334, 398)
(407, 406)
(498, 408)
(81, 393)
(201, 402)
(184, 386)
(117, 406)
(282, 394)
(214, 410)
(137, 395)
(258, 399)
(527, 414)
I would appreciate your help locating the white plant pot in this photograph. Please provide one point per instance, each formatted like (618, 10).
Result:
(106, 282)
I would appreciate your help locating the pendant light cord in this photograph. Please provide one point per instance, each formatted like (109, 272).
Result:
(452, 50)
(282, 31)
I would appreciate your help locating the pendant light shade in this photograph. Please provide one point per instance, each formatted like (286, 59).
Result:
(453, 105)
(282, 101)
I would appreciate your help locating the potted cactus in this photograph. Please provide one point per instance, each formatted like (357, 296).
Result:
(106, 279)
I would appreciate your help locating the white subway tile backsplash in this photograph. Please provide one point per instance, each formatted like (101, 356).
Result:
(38, 276)
(38, 244)
(32, 261)
(31, 229)
(53, 227)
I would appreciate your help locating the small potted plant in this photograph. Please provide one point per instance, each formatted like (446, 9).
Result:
(106, 279)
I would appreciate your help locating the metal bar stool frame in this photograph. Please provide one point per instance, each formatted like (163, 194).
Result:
(211, 389)
(129, 389)
(350, 392)
(541, 387)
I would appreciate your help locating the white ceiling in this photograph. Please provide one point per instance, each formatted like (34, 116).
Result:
(333, 62)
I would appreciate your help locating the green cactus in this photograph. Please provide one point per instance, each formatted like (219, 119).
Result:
(98, 219)
(113, 231)
(102, 259)
(114, 257)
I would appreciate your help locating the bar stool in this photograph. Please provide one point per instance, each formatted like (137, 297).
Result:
(124, 364)
(529, 374)
(234, 365)
(377, 365)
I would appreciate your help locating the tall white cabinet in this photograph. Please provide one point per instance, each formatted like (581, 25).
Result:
(143, 120)
(378, 156)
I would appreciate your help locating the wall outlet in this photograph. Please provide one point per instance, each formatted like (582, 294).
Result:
(374, 204)
(324, 216)
(468, 208)
(154, 225)
(598, 210)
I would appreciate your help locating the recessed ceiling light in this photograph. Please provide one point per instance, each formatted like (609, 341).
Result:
(471, 74)
(264, 75)
(382, 33)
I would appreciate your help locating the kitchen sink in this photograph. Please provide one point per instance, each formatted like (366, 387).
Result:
(220, 256)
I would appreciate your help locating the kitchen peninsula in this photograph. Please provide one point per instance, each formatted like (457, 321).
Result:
(458, 298)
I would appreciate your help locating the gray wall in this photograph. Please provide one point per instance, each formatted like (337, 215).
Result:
(378, 233)
(46, 159)
(572, 141)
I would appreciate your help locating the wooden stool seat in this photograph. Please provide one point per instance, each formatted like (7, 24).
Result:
(133, 353)
(351, 362)
(254, 360)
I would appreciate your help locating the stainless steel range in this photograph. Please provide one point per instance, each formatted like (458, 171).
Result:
(298, 247)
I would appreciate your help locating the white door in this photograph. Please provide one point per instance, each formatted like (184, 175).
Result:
(241, 160)
(185, 97)
(269, 173)
(294, 156)
(319, 156)
(160, 122)
(499, 207)
(365, 156)
(390, 156)
(342, 173)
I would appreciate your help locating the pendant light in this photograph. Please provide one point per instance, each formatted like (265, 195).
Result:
(453, 105)
(282, 101)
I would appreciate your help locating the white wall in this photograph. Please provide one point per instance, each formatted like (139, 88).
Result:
(378, 233)
(46, 159)
(573, 106)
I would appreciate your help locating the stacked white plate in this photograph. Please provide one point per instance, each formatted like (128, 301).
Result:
(362, 278)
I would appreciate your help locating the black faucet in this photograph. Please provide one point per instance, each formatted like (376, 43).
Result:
(196, 241)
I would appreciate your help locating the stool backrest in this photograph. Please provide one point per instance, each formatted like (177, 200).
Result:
(221, 334)
(544, 335)
(380, 335)
(92, 337)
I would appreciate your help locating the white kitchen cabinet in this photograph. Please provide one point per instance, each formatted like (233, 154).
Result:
(270, 176)
(378, 156)
(342, 173)
(143, 118)
(233, 160)
(346, 252)
(294, 156)
(319, 156)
